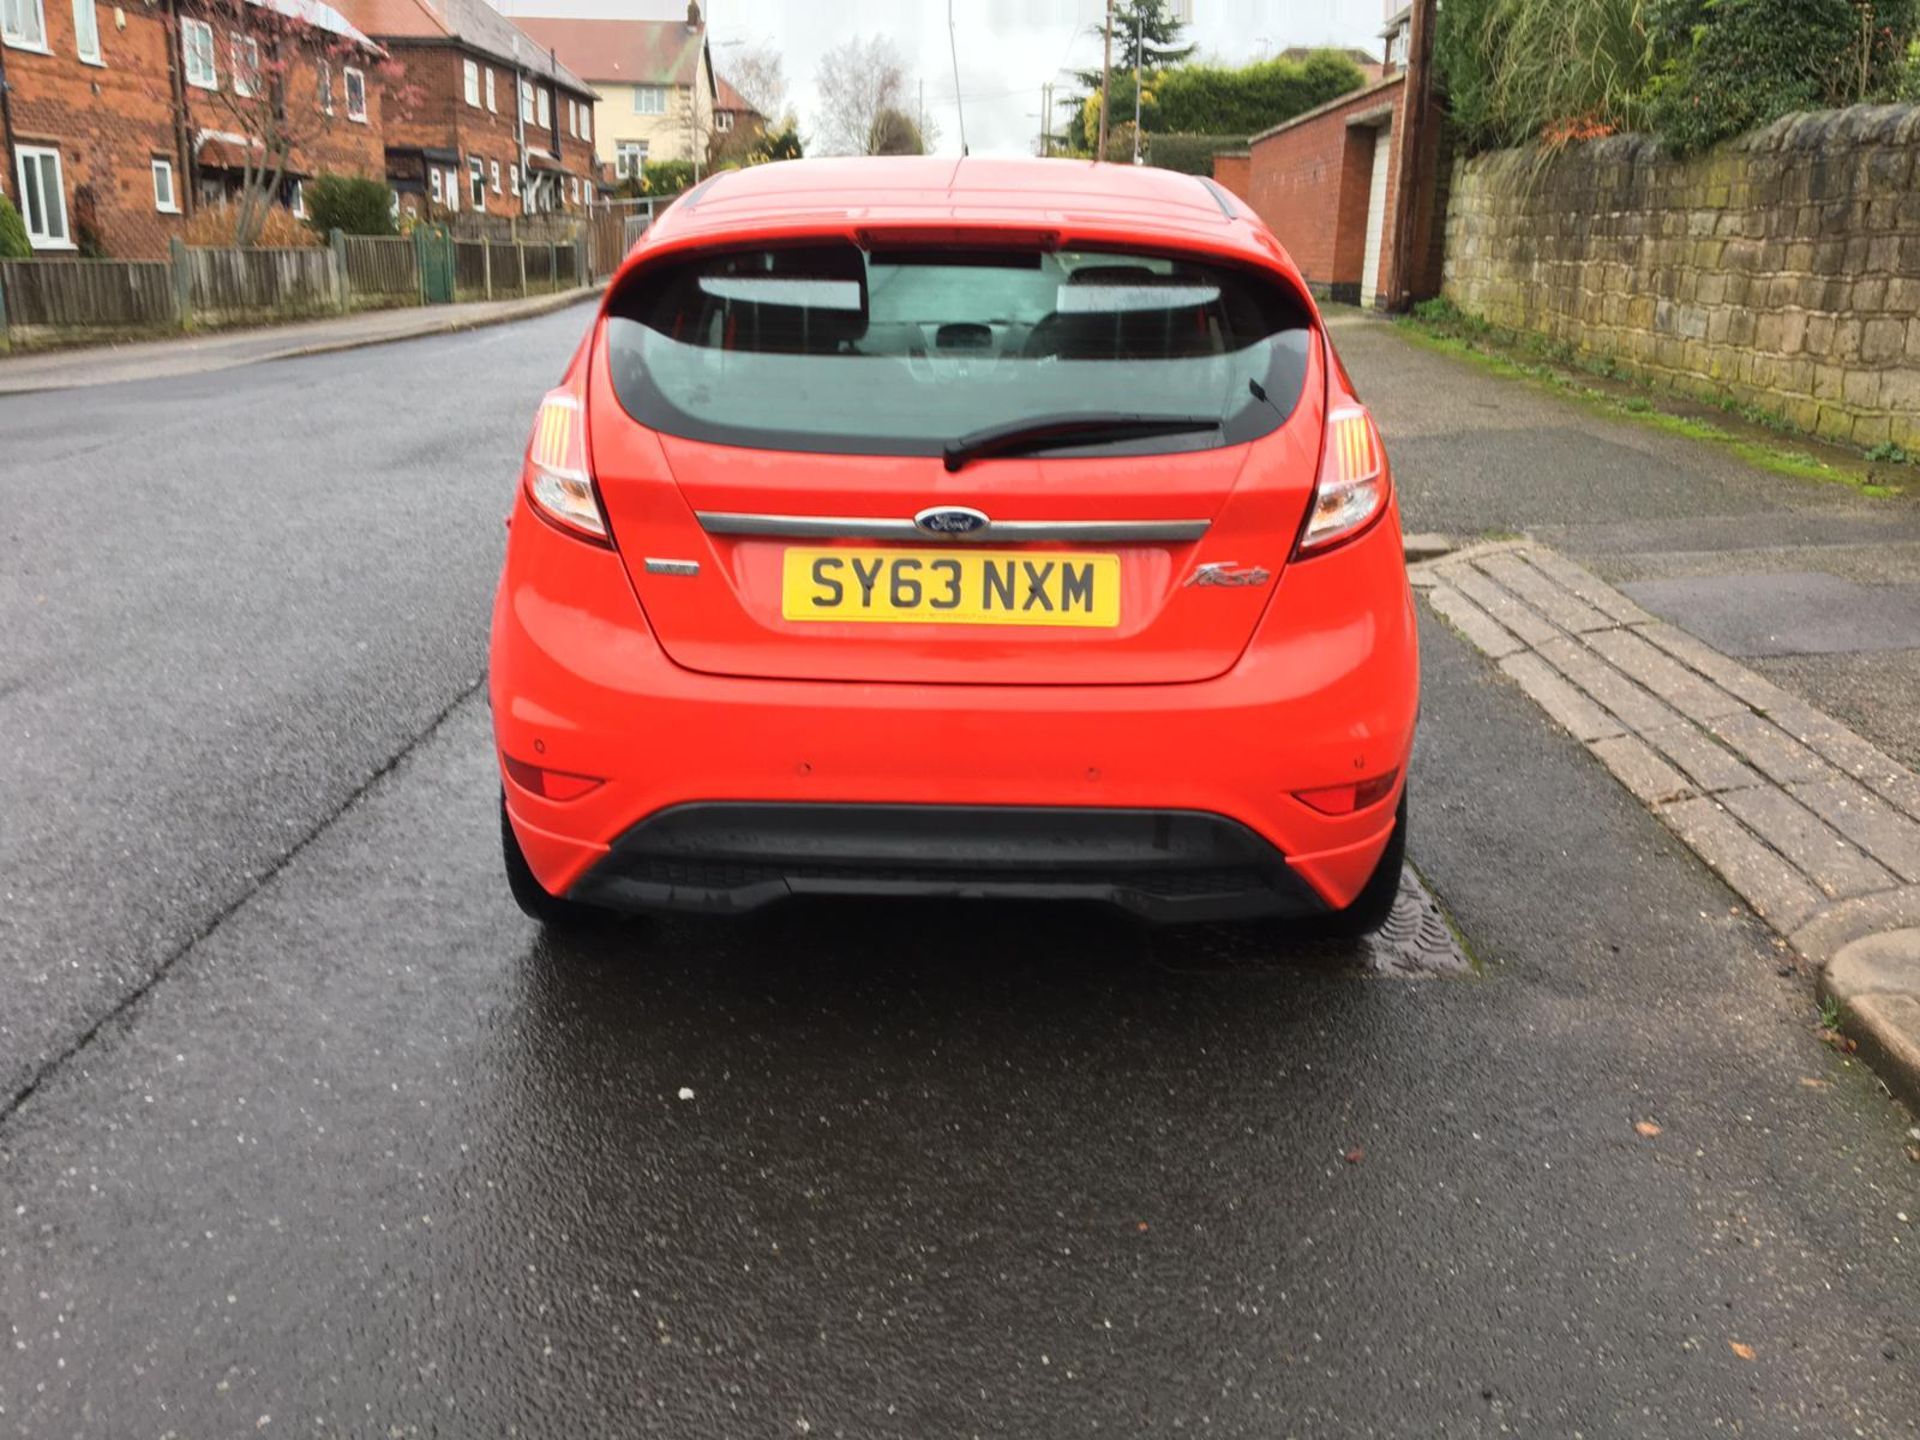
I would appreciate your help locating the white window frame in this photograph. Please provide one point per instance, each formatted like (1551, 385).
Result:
(654, 95)
(544, 99)
(492, 107)
(470, 82)
(22, 37)
(435, 185)
(171, 204)
(453, 191)
(323, 75)
(236, 46)
(629, 159)
(526, 102)
(723, 120)
(586, 122)
(297, 203)
(198, 61)
(39, 155)
(476, 182)
(513, 180)
(495, 167)
(86, 33)
(349, 76)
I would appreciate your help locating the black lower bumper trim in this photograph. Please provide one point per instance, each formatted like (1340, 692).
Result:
(1161, 864)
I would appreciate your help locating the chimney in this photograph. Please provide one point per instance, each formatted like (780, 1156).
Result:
(693, 14)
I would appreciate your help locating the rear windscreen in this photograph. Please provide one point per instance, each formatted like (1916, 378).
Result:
(828, 347)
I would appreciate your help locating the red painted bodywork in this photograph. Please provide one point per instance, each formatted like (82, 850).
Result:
(677, 690)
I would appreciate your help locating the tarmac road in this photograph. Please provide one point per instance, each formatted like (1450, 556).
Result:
(341, 1145)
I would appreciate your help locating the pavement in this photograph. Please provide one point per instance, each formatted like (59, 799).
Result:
(309, 1130)
(91, 365)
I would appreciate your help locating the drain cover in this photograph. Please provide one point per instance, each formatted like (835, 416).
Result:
(1415, 941)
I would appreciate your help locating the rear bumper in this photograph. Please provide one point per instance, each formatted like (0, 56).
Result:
(1326, 694)
(1162, 865)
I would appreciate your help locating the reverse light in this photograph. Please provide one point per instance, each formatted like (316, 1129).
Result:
(1346, 799)
(547, 784)
(1352, 490)
(557, 478)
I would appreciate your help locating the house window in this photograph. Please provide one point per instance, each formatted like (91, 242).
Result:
(490, 102)
(163, 196)
(586, 122)
(86, 32)
(45, 207)
(453, 190)
(433, 178)
(356, 95)
(526, 102)
(629, 159)
(24, 24)
(323, 82)
(470, 72)
(495, 165)
(513, 179)
(196, 45)
(649, 99)
(297, 199)
(544, 96)
(477, 182)
(723, 119)
(243, 53)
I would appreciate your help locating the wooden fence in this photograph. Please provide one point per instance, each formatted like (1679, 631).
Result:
(48, 300)
(384, 270)
(87, 294)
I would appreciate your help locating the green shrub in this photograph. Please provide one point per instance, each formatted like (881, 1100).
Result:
(1189, 154)
(355, 204)
(1520, 70)
(1732, 65)
(667, 177)
(1210, 99)
(13, 233)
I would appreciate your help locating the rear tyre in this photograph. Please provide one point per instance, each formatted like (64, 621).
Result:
(1374, 903)
(528, 893)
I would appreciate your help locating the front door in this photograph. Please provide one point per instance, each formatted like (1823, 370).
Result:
(434, 245)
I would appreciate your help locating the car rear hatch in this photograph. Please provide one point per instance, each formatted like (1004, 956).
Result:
(992, 463)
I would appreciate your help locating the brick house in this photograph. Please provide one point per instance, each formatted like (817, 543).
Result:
(480, 117)
(113, 130)
(655, 81)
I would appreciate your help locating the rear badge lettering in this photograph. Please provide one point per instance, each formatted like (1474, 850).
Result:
(1226, 572)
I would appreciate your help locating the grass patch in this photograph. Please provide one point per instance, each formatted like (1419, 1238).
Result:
(1555, 365)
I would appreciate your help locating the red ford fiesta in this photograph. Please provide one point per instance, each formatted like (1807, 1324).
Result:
(962, 528)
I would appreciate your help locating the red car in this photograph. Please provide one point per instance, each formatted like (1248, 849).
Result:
(956, 528)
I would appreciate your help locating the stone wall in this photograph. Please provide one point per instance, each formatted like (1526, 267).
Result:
(1782, 268)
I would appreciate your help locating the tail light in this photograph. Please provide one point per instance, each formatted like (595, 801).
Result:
(1353, 487)
(558, 481)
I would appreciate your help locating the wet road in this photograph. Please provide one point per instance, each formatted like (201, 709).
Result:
(373, 1157)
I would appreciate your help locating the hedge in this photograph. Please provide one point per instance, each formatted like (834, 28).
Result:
(1190, 154)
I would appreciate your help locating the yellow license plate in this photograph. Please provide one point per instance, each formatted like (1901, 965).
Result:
(951, 586)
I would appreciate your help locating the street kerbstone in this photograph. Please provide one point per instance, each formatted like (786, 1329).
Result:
(1821, 937)
(1637, 708)
(1574, 712)
(1888, 1029)
(1486, 633)
(1666, 677)
(1588, 586)
(1558, 604)
(1825, 856)
(1758, 691)
(1643, 772)
(1876, 827)
(1710, 765)
(1504, 607)
(1778, 892)
(1858, 757)
(1883, 964)
(1778, 756)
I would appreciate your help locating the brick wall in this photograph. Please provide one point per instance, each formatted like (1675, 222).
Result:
(1234, 171)
(424, 91)
(109, 122)
(1782, 268)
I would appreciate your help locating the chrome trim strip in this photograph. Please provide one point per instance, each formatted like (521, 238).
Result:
(847, 527)
(656, 566)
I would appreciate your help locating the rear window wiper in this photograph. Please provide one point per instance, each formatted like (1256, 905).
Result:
(1053, 432)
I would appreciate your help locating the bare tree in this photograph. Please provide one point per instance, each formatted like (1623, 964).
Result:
(760, 76)
(859, 79)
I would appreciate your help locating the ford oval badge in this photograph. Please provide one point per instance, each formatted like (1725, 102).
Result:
(951, 520)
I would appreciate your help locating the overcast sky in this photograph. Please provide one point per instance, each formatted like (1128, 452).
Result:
(1007, 48)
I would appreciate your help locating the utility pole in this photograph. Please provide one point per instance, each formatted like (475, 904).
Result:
(1046, 118)
(1106, 79)
(959, 104)
(1138, 15)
